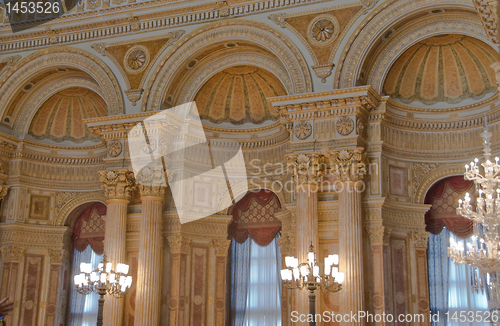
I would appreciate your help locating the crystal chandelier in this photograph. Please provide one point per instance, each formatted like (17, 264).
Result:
(482, 254)
(307, 275)
(103, 280)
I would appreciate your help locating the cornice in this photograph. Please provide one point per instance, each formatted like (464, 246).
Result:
(136, 23)
(491, 100)
(32, 236)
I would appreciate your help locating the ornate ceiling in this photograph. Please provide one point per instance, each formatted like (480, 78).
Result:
(61, 117)
(238, 95)
(445, 68)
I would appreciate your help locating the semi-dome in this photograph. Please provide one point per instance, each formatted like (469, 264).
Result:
(61, 117)
(238, 95)
(445, 68)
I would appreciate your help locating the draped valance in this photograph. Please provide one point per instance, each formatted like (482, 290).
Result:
(254, 215)
(89, 229)
(444, 196)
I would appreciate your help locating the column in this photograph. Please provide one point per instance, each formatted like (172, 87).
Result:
(179, 248)
(221, 250)
(55, 257)
(419, 241)
(148, 295)
(118, 186)
(307, 169)
(12, 258)
(348, 167)
(376, 238)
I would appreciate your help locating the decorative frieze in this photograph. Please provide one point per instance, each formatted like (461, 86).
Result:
(348, 164)
(487, 10)
(117, 184)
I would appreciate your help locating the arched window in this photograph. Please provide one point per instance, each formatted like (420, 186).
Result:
(88, 247)
(255, 261)
(451, 286)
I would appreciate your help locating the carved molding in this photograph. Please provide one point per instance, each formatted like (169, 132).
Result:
(487, 10)
(221, 247)
(73, 201)
(117, 184)
(55, 57)
(3, 191)
(287, 54)
(348, 164)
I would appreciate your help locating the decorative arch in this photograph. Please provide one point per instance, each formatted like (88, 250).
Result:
(55, 57)
(379, 20)
(434, 176)
(424, 29)
(215, 65)
(40, 94)
(228, 30)
(75, 202)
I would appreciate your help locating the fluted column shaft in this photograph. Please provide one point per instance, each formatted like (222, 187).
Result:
(114, 247)
(118, 185)
(350, 251)
(147, 311)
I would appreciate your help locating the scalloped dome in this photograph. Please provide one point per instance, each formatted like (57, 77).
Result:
(238, 95)
(61, 117)
(445, 68)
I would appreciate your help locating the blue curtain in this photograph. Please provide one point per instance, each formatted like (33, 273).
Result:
(439, 264)
(450, 285)
(83, 308)
(256, 284)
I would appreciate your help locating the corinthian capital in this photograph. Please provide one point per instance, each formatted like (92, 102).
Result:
(56, 256)
(221, 247)
(348, 164)
(307, 168)
(11, 253)
(420, 239)
(117, 184)
(3, 191)
(152, 182)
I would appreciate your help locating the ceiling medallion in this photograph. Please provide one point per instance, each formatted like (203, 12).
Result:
(303, 130)
(345, 126)
(323, 30)
(114, 148)
(136, 59)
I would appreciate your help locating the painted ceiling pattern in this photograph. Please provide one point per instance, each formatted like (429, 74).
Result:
(445, 68)
(238, 95)
(61, 117)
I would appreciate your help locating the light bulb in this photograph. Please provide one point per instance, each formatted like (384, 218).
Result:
(328, 268)
(296, 273)
(288, 261)
(103, 278)
(335, 271)
(335, 259)
(284, 274)
(122, 280)
(340, 278)
(310, 257)
(77, 280)
(316, 271)
(112, 278)
(108, 267)
(129, 281)
(304, 271)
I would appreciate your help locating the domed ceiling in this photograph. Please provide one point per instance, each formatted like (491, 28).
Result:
(61, 117)
(444, 68)
(238, 95)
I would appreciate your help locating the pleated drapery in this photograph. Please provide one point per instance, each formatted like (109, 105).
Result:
(256, 284)
(89, 229)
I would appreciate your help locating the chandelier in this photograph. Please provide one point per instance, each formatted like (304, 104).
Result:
(306, 275)
(483, 254)
(103, 280)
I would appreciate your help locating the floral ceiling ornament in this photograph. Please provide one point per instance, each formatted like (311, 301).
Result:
(136, 59)
(303, 130)
(322, 30)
